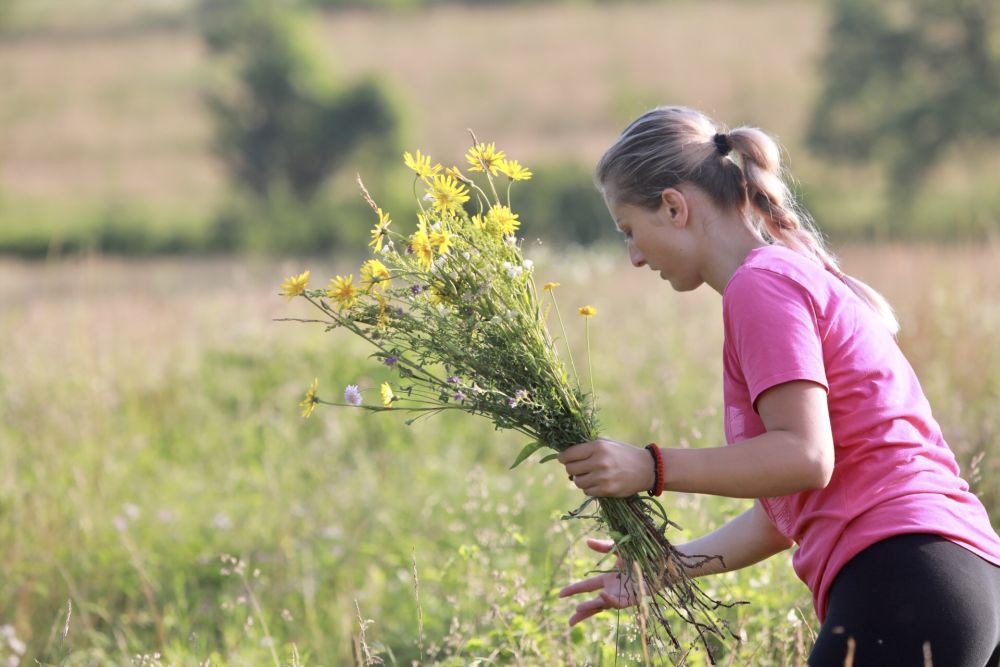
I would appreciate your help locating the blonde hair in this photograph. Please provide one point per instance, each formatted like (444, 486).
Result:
(738, 169)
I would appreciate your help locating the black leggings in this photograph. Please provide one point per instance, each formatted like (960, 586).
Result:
(909, 596)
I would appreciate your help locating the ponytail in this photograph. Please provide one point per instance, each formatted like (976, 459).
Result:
(780, 219)
(741, 169)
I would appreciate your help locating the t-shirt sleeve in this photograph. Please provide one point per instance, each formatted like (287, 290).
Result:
(773, 330)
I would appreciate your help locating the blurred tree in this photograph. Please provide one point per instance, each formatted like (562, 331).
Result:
(284, 124)
(906, 79)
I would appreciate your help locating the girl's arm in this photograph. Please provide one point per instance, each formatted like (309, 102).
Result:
(794, 454)
(745, 540)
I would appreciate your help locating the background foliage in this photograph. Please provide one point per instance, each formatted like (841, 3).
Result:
(192, 127)
(904, 84)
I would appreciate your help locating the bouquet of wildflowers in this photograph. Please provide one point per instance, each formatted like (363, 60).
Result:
(454, 310)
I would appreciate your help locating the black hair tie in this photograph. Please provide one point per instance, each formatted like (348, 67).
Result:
(722, 143)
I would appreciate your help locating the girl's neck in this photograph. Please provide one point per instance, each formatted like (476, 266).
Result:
(728, 240)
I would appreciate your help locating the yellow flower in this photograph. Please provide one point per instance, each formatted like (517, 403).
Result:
(387, 396)
(484, 157)
(422, 247)
(308, 404)
(478, 222)
(421, 164)
(548, 287)
(587, 311)
(343, 291)
(382, 321)
(513, 170)
(373, 272)
(448, 194)
(442, 239)
(503, 220)
(380, 231)
(436, 297)
(295, 285)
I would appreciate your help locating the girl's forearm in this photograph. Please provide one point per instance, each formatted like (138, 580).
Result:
(775, 463)
(747, 539)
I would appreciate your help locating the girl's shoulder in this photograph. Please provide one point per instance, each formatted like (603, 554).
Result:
(773, 264)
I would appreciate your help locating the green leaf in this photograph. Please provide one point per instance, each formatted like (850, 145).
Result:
(549, 457)
(528, 450)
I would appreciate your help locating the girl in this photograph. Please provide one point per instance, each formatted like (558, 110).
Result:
(826, 424)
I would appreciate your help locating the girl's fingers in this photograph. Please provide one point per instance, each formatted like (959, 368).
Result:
(586, 610)
(609, 601)
(601, 546)
(585, 586)
(578, 616)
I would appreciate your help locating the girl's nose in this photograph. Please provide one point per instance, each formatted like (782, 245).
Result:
(635, 256)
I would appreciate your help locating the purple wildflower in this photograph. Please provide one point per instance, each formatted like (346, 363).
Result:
(390, 360)
(352, 395)
(453, 379)
(416, 289)
(459, 396)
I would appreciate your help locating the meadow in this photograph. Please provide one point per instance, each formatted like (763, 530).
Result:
(161, 500)
(150, 429)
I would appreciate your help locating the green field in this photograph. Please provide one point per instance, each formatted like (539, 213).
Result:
(150, 426)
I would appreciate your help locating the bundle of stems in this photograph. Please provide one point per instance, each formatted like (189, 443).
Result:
(454, 310)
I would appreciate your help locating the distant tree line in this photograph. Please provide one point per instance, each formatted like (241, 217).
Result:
(904, 82)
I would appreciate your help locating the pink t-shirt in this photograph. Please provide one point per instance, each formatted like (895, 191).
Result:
(787, 318)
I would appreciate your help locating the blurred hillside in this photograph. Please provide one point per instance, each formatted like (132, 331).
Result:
(106, 141)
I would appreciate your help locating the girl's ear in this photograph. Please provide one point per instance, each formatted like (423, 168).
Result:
(674, 205)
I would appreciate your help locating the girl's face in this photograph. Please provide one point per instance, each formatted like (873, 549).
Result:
(661, 240)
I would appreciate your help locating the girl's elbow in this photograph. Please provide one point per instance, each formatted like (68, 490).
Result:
(819, 467)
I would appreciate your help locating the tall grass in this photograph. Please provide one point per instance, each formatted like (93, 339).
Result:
(149, 426)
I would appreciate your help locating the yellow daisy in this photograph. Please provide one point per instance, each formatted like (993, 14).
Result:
(295, 285)
(380, 231)
(587, 311)
(308, 404)
(484, 157)
(503, 220)
(374, 273)
(421, 164)
(421, 246)
(448, 194)
(387, 396)
(442, 239)
(548, 287)
(513, 170)
(343, 291)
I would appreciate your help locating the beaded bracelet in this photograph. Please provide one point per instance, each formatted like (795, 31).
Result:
(658, 471)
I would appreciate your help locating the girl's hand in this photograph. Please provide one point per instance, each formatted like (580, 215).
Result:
(609, 469)
(615, 589)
